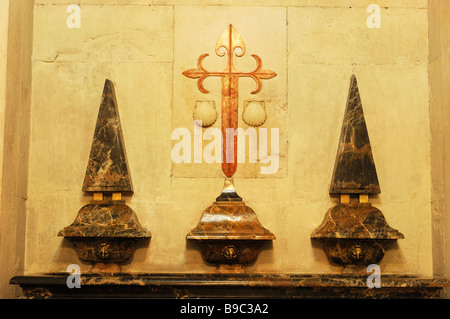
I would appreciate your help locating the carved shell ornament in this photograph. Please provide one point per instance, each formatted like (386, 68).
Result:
(205, 111)
(254, 113)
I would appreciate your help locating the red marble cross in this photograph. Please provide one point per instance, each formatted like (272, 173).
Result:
(230, 40)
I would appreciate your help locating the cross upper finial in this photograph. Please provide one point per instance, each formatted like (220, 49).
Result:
(230, 40)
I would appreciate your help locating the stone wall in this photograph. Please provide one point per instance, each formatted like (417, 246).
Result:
(314, 46)
(439, 76)
(16, 37)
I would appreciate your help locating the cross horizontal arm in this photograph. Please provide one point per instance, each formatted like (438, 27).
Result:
(201, 74)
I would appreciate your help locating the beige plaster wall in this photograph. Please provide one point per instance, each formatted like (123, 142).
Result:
(4, 15)
(439, 68)
(314, 45)
(16, 31)
(445, 47)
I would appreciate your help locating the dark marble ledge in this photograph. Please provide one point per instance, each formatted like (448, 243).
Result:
(226, 279)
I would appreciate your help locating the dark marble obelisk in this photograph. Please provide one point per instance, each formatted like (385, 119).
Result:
(354, 171)
(354, 233)
(107, 169)
(106, 230)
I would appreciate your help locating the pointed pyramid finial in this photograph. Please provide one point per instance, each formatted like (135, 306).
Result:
(354, 171)
(107, 170)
